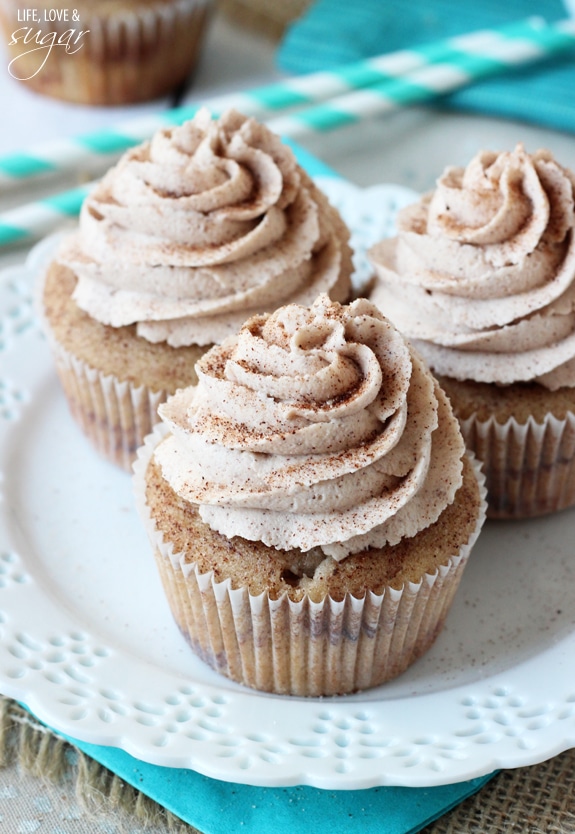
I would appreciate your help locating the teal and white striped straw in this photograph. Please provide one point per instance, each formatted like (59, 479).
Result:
(39, 218)
(491, 54)
(531, 42)
(101, 146)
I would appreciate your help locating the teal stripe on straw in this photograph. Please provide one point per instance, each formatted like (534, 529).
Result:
(24, 165)
(470, 61)
(107, 142)
(179, 115)
(402, 91)
(278, 97)
(11, 234)
(478, 65)
(362, 76)
(324, 118)
(69, 202)
(434, 52)
(548, 38)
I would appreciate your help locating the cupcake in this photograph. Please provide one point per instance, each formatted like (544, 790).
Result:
(187, 236)
(310, 502)
(481, 278)
(104, 52)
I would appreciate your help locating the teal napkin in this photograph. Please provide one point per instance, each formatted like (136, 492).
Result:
(334, 32)
(216, 807)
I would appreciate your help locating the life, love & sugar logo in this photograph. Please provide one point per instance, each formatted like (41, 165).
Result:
(33, 39)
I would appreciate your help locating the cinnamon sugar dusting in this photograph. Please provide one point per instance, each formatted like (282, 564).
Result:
(203, 226)
(481, 275)
(314, 427)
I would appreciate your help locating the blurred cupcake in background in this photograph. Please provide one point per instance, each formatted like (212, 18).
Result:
(104, 52)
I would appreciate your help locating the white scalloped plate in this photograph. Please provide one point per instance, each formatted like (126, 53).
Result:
(87, 641)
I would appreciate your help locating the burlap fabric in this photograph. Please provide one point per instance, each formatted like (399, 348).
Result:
(530, 800)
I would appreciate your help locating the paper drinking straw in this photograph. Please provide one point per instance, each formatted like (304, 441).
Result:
(34, 220)
(38, 218)
(100, 146)
(457, 68)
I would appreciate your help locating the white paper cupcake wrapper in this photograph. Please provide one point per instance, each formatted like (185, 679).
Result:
(114, 415)
(301, 648)
(529, 467)
(129, 34)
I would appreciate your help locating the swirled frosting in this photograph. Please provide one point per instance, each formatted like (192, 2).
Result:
(204, 225)
(481, 275)
(315, 427)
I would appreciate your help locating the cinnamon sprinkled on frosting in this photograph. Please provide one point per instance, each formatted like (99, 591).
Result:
(314, 427)
(481, 276)
(202, 226)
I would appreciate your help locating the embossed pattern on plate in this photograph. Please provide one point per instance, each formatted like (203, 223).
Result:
(87, 641)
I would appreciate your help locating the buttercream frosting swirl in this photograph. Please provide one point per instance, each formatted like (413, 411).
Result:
(204, 225)
(481, 275)
(315, 427)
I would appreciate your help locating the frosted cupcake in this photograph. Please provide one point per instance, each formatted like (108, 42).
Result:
(481, 277)
(310, 503)
(104, 52)
(186, 237)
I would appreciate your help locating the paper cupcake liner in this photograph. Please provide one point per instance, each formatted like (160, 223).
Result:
(114, 415)
(529, 467)
(301, 648)
(125, 57)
